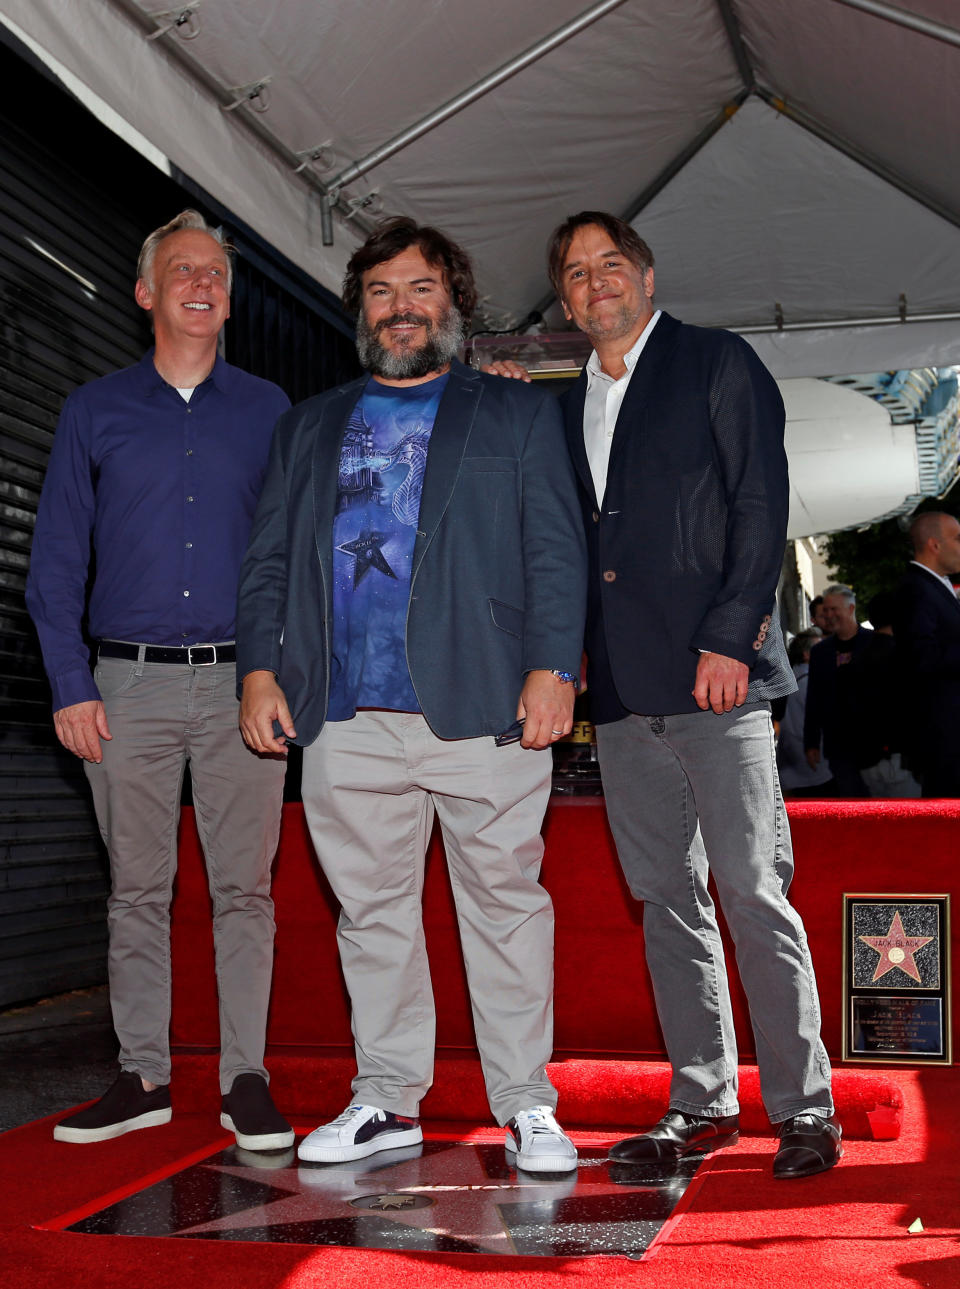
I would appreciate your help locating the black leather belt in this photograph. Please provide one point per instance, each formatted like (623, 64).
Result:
(202, 655)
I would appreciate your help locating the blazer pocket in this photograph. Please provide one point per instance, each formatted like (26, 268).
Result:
(506, 617)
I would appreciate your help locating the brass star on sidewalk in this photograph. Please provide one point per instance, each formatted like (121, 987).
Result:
(896, 949)
(393, 1201)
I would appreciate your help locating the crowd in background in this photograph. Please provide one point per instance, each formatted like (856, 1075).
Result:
(877, 706)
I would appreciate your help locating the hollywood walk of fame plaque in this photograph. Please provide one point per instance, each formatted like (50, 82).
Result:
(896, 978)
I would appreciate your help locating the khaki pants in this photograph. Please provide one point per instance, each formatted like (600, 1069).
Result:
(161, 716)
(370, 789)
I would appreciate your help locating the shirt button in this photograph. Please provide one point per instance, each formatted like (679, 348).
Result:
(189, 499)
(189, 546)
(187, 593)
(189, 452)
(609, 575)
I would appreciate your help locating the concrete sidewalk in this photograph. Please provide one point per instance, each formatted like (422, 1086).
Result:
(55, 1054)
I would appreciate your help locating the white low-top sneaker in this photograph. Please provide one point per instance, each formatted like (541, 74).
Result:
(360, 1131)
(539, 1143)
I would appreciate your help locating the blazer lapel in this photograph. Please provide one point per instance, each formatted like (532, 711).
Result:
(325, 466)
(660, 345)
(930, 581)
(448, 442)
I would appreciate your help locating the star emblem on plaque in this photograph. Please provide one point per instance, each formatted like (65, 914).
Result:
(897, 978)
(897, 950)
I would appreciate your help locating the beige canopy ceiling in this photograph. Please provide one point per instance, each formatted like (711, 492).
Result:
(793, 163)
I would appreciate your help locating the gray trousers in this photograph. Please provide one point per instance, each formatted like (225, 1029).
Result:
(371, 786)
(162, 715)
(696, 794)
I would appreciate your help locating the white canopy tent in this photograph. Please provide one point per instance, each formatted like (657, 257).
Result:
(793, 163)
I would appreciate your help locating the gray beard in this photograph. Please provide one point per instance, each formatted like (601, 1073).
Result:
(441, 345)
(619, 325)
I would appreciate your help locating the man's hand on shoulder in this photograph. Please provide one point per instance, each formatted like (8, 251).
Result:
(263, 702)
(80, 727)
(546, 709)
(721, 682)
(508, 368)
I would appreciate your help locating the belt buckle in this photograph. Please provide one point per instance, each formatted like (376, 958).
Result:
(209, 662)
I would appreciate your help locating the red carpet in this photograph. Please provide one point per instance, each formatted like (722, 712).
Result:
(603, 999)
(741, 1229)
(602, 1095)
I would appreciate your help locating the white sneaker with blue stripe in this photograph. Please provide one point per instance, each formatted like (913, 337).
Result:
(359, 1131)
(537, 1143)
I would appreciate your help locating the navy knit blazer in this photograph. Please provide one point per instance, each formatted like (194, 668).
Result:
(686, 550)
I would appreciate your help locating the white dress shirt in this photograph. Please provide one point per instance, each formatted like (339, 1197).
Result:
(601, 406)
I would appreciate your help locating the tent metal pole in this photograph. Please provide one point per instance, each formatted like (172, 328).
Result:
(857, 154)
(173, 46)
(470, 95)
(672, 168)
(938, 30)
(839, 324)
(737, 47)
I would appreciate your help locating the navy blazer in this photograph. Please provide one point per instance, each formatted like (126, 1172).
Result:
(927, 630)
(499, 576)
(685, 553)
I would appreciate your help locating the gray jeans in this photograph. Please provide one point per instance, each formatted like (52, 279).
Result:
(162, 715)
(696, 794)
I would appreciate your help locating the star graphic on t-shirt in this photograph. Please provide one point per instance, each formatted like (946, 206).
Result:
(896, 950)
(367, 554)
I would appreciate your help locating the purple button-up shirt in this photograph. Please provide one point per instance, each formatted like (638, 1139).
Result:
(167, 490)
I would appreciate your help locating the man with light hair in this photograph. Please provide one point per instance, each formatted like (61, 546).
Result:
(830, 718)
(157, 470)
(927, 630)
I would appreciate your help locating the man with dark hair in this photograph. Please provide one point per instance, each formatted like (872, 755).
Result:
(161, 465)
(927, 631)
(676, 434)
(411, 612)
(818, 615)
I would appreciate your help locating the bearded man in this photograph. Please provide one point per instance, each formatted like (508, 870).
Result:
(411, 612)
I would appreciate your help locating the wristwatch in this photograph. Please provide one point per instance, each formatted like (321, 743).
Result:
(567, 678)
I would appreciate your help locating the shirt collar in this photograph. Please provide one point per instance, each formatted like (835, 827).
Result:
(939, 576)
(594, 369)
(153, 381)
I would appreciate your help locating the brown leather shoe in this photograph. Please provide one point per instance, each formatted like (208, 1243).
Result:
(808, 1144)
(678, 1134)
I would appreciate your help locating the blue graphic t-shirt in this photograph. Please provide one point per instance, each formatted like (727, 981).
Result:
(382, 463)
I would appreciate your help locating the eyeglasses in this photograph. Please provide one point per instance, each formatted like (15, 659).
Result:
(512, 734)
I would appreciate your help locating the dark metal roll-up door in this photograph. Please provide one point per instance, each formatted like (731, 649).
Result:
(75, 204)
(66, 316)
